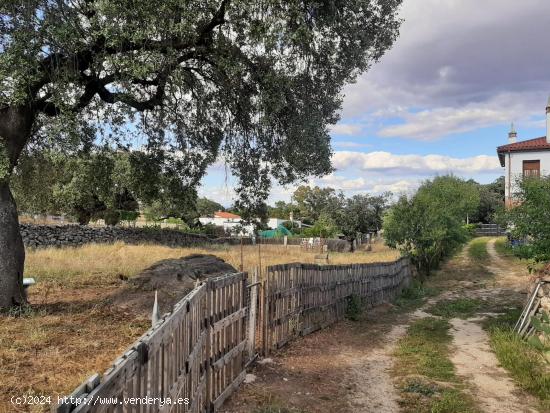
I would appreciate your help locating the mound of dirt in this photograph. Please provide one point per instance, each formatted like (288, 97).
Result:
(172, 278)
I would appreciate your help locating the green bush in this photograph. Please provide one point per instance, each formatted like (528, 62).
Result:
(355, 308)
(430, 225)
(111, 217)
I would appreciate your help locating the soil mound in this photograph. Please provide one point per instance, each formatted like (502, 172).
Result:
(172, 278)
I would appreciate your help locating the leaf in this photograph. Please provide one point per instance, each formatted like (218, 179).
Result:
(535, 342)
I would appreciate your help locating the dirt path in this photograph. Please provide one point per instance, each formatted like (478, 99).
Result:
(347, 367)
(375, 392)
(473, 358)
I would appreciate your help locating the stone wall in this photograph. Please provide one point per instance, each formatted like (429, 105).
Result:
(74, 235)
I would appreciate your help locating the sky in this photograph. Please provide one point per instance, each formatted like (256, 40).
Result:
(440, 101)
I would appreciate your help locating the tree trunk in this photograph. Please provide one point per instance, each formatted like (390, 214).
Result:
(15, 129)
(12, 252)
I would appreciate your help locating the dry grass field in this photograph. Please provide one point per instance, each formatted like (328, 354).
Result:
(71, 330)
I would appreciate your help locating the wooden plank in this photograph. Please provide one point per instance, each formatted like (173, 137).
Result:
(229, 390)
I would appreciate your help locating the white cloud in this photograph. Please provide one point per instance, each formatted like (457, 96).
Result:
(421, 165)
(349, 144)
(345, 129)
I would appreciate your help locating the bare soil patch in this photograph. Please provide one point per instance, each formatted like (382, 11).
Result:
(343, 368)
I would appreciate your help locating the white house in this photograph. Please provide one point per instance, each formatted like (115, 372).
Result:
(524, 158)
(273, 223)
(229, 222)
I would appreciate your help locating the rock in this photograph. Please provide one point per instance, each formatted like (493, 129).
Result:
(249, 378)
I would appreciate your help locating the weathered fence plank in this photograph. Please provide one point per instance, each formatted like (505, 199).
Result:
(200, 351)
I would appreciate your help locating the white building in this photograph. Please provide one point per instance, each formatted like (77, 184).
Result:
(229, 222)
(524, 158)
(273, 223)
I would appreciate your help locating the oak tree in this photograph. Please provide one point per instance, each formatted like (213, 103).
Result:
(253, 82)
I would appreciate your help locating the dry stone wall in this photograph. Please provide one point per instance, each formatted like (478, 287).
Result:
(74, 235)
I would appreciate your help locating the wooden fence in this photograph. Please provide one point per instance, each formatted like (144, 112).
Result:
(197, 355)
(303, 298)
(489, 230)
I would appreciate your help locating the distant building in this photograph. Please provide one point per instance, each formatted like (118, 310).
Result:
(273, 223)
(231, 223)
(524, 159)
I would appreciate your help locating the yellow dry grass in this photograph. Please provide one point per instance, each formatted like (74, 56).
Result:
(69, 332)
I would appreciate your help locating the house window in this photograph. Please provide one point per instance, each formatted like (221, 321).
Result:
(531, 168)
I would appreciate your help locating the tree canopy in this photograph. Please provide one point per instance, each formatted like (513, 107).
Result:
(430, 225)
(186, 82)
(530, 218)
(255, 82)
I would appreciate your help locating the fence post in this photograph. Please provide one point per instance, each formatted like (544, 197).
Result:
(208, 367)
(252, 315)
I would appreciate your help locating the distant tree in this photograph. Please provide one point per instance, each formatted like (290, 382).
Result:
(324, 227)
(282, 210)
(101, 184)
(206, 207)
(530, 218)
(491, 201)
(311, 203)
(361, 214)
(429, 226)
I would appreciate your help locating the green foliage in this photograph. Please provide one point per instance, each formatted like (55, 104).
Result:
(523, 361)
(542, 329)
(256, 83)
(207, 207)
(477, 250)
(491, 201)
(414, 295)
(111, 217)
(361, 214)
(424, 349)
(531, 218)
(460, 307)
(128, 215)
(354, 308)
(315, 203)
(324, 227)
(86, 185)
(430, 225)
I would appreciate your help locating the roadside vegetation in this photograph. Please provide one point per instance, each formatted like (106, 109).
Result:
(425, 373)
(458, 308)
(431, 225)
(524, 362)
(477, 250)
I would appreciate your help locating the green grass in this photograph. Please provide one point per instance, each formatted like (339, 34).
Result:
(478, 249)
(457, 308)
(429, 383)
(503, 248)
(525, 363)
(415, 295)
(424, 349)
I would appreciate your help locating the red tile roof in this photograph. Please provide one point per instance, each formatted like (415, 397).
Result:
(221, 214)
(537, 144)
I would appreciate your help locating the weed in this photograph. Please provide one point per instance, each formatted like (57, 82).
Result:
(523, 361)
(453, 401)
(416, 386)
(458, 308)
(478, 249)
(424, 353)
(424, 349)
(414, 295)
(355, 308)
